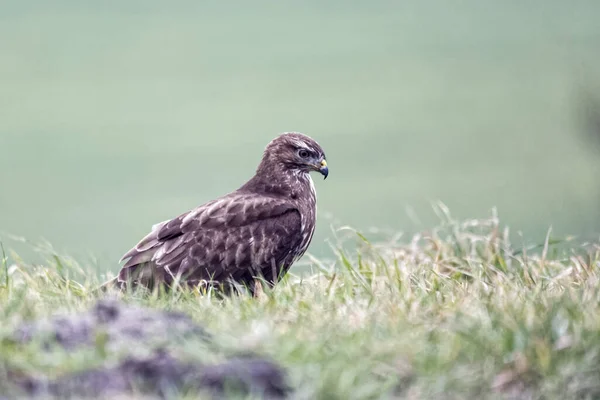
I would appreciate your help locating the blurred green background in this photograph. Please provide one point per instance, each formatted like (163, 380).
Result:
(116, 115)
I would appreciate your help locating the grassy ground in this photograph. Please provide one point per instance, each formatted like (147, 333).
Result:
(456, 312)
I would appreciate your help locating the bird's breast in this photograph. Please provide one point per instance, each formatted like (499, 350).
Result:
(307, 205)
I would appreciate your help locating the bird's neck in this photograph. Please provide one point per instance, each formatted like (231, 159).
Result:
(280, 182)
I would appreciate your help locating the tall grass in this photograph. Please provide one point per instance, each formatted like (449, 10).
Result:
(456, 312)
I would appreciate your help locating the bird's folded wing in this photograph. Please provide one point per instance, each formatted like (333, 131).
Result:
(222, 236)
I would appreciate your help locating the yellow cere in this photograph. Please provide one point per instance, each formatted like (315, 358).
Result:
(323, 163)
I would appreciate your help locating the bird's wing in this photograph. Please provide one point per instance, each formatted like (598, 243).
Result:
(221, 239)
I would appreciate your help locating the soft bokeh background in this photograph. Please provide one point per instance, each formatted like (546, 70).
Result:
(116, 115)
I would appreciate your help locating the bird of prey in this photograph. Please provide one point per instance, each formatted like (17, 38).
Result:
(256, 231)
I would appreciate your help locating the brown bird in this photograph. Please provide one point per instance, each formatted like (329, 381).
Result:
(257, 231)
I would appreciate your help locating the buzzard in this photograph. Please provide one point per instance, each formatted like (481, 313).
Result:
(257, 231)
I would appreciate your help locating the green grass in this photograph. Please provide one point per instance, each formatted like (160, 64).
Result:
(456, 312)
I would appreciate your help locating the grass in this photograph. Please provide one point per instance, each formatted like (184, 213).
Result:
(456, 312)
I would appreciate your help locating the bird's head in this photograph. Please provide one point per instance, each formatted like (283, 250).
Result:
(295, 151)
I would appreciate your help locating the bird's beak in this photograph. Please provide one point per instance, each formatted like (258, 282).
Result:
(323, 169)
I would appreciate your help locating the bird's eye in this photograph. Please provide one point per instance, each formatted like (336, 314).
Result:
(303, 153)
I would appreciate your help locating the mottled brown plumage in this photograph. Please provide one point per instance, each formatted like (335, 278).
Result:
(259, 230)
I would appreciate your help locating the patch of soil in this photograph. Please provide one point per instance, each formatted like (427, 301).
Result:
(160, 375)
(156, 374)
(120, 323)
